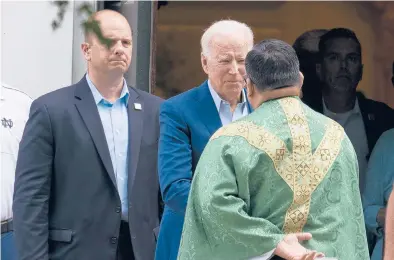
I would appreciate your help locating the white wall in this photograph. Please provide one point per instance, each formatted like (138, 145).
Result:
(78, 61)
(34, 58)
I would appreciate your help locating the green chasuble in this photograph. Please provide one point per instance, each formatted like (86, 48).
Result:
(282, 169)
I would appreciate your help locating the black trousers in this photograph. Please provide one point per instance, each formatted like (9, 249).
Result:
(277, 258)
(125, 248)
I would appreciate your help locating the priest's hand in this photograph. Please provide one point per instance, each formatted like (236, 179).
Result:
(291, 249)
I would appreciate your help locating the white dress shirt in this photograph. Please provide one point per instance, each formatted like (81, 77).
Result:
(115, 121)
(353, 123)
(14, 112)
(224, 108)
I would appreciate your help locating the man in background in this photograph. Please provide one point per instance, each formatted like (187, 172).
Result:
(340, 70)
(307, 49)
(14, 107)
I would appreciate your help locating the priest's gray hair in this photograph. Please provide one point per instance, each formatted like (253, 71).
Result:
(273, 64)
(229, 28)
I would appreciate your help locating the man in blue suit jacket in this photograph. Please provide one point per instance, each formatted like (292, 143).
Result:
(188, 120)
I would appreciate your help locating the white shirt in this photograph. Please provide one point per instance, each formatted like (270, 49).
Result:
(353, 123)
(224, 108)
(14, 112)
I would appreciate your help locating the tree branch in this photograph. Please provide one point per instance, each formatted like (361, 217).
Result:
(88, 26)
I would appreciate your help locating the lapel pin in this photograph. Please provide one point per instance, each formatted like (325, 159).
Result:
(371, 117)
(137, 106)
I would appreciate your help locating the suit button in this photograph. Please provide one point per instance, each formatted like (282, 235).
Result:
(133, 237)
(118, 209)
(114, 240)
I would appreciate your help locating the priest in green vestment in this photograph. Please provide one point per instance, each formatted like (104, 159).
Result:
(281, 183)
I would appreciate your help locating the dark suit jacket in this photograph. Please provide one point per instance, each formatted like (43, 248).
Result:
(66, 204)
(377, 116)
(187, 121)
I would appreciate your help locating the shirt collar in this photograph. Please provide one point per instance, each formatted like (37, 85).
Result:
(355, 110)
(3, 87)
(99, 98)
(218, 100)
(1, 93)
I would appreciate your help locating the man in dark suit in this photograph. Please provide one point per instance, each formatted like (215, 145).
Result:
(340, 69)
(188, 120)
(86, 178)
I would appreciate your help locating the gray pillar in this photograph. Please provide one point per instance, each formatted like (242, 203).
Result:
(78, 61)
(139, 15)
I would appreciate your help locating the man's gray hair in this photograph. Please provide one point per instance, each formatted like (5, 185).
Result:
(273, 64)
(229, 28)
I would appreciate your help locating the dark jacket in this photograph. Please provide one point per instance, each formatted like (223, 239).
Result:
(66, 204)
(377, 116)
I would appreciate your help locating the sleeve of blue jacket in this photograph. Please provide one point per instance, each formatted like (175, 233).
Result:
(175, 158)
(378, 181)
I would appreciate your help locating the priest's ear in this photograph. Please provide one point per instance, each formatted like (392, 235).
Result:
(254, 98)
(250, 88)
(301, 80)
(300, 83)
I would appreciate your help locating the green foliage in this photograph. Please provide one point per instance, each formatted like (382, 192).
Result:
(62, 6)
(89, 26)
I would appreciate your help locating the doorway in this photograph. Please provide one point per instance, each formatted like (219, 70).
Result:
(180, 24)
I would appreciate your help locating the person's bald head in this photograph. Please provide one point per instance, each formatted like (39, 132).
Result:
(104, 18)
(309, 40)
(116, 57)
(307, 48)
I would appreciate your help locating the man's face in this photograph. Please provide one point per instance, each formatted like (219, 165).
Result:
(341, 68)
(225, 65)
(117, 58)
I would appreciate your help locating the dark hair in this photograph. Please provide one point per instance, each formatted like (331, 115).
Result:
(298, 44)
(337, 33)
(272, 64)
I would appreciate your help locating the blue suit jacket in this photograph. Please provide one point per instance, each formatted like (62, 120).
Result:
(187, 121)
(379, 185)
